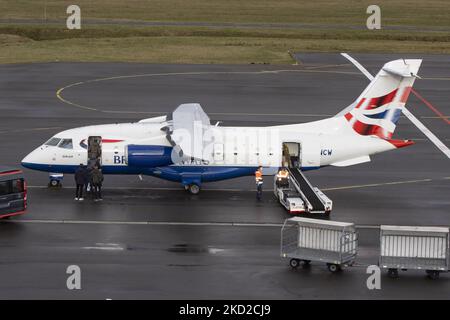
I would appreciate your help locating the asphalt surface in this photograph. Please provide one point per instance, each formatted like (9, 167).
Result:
(149, 239)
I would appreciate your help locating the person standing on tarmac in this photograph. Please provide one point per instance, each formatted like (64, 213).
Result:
(88, 186)
(259, 182)
(96, 183)
(81, 179)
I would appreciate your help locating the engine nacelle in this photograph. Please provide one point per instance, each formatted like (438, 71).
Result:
(148, 156)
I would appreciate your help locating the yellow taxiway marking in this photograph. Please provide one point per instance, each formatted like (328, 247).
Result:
(389, 183)
(61, 98)
(382, 184)
(59, 92)
(435, 117)
(29, 129)
(328, 66)
(436, 78)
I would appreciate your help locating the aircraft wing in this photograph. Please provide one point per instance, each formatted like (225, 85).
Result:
(189, 124)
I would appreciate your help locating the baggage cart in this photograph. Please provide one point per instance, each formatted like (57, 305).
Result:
(304, 240)
(419, 248)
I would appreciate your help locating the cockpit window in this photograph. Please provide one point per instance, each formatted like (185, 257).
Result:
(52, 142)
(66, 144)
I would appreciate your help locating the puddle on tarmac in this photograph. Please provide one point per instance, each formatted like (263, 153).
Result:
(192, 248)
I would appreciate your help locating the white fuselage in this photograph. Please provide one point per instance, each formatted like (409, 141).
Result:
(321, 143)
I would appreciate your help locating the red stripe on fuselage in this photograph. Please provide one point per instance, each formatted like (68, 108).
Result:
(111, 140)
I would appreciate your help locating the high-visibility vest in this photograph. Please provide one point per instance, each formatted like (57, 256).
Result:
(282, 174)
(258, 175)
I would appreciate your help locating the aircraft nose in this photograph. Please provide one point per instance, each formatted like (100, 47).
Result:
(27, 160)
(30, 159)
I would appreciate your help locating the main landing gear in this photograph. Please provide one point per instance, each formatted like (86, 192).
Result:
(193, 188)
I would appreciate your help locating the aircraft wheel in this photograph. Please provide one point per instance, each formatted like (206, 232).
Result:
(54, 183)
(194, 188)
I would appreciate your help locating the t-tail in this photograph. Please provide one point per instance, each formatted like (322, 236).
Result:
(377, 110)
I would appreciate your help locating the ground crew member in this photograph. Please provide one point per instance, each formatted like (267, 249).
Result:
(81, 179)
(259, 182)
(286, 156)
(282, 178)
(96, 183)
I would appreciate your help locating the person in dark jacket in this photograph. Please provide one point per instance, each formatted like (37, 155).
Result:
(81, 178)
(96, 183)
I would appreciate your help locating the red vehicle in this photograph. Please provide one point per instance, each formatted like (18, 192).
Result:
(13, 192)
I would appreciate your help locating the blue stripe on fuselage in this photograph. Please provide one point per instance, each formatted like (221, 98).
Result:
(184, 174)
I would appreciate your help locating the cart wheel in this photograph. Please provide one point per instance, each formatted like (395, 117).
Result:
(333, 267)
(393, 273)
(294, 263)
(433, 274)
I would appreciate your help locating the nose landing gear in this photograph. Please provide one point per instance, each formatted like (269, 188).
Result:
(55, 180)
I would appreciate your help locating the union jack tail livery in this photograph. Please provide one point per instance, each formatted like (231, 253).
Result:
(378, 108)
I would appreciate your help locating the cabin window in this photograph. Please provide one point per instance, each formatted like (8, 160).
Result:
(52, 142)
(66, 144)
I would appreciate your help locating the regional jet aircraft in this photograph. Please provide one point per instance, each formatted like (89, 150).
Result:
(185, 147)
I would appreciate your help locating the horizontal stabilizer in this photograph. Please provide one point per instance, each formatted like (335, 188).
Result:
(351, 162)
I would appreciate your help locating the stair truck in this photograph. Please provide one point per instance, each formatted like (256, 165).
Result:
(299, 196)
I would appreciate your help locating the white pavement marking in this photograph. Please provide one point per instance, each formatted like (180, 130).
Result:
(359, 66)
(438, 143)
(148, 223)
(160, 223)
(104, 248)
